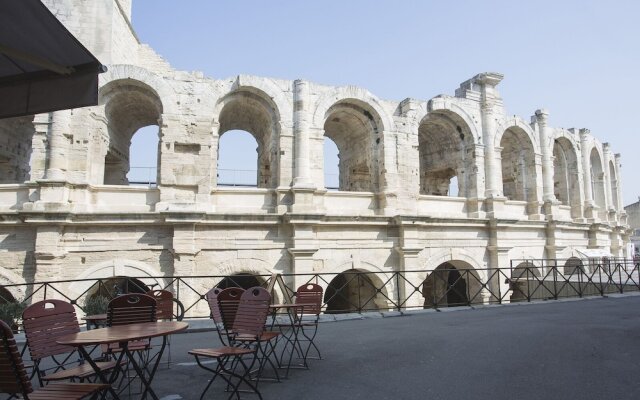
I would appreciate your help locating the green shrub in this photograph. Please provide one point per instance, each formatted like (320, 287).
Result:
(11, 313)
(95, 305)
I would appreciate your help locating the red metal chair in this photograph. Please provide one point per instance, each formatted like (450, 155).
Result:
(247, 329)
(44, 322)
(310, 295)
(14, 380)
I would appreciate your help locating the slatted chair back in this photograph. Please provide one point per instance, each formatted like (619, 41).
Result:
(310, 295)
(212, 299)
(131, 309)
(13, 377)
(228, 302)
(164, 304)
(46, 321)
(252, 312)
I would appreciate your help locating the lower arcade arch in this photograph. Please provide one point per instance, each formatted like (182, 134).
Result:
(246, 280)
(355, 291)
(451, 284)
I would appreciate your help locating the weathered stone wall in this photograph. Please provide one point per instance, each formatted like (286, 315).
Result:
(525, 190)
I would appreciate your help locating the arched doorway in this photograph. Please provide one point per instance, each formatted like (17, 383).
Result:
(445, 287)
(518, 165)
(354, 291)
(524, 282)
(242, 280)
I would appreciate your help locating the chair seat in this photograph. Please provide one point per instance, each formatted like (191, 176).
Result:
(67, 391)
(264, 337)
(81, 371)
(135, 345)
(221, 352)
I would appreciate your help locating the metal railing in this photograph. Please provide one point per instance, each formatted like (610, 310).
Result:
(357, 291)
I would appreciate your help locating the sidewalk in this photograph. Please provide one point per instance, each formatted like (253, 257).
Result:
(588, 349)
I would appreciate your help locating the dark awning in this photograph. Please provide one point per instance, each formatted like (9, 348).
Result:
(43, 67)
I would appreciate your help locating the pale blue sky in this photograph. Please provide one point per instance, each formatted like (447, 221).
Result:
(578, 59)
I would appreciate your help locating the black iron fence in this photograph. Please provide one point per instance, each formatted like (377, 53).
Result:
(354, 290)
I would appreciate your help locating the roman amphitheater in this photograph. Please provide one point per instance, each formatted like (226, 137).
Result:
(447, 182)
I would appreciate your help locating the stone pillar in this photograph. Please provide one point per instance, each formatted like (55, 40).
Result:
(546, 150)
(184, 252)
(409, 263)
(301, 132)
(608, 194)
(586, 172)
(59, 126)
(488, 102)
(620, 205)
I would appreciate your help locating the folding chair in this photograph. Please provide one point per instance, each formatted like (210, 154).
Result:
(44, 322)
(14, 380)
(310, 295)
(165, 311)
(223, 305)
(248, 328)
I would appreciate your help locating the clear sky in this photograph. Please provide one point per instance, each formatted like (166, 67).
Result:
(580, 59)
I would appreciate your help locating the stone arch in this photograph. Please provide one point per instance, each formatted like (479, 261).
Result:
(452, 283)
(614, 185)
(116, 268)
(354, 289)
(355, 93)
(460, 259)
(447, 105)
(517, 122)
(518, 163)
(356, 131)
(566, 172)
(446, 147)
(138, 74)
(9, 278)
(129, 105)
(597, 177)
(254, 111)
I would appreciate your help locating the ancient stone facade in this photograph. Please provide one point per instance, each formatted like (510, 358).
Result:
(525, 189)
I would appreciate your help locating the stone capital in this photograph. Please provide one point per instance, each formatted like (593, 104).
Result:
(491, 79)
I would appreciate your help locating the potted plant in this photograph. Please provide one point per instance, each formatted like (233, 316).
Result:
(96, 304)
(11, 313)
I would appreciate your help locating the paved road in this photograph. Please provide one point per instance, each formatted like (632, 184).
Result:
(586, 349)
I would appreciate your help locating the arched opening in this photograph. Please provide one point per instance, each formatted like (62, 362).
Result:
(446, 286)
(597, 179)
(237, 159)
(6, 296)
(444, 145)
(573, 267)
(523, 281)
(144, 156)
(565, 173)
(242, 280)
(355, 291)
(331, 164)
(355, 129)
(614, 186)
(129, 106)
(100, 293)
(249, 112)
(16, 135)
(518, 165)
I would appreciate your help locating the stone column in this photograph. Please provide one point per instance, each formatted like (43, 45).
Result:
(548, 194)
(586, 172)
(488, 102)
(620, 205)
(301, 132)
(58, 126)
(608, 195)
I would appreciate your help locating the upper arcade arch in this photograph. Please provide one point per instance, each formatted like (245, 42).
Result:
(355, 130)
(613, 177)
(597, 178)
(518, 164)
(128, 106)
(446, 146)
(254, 112)
(566, 172)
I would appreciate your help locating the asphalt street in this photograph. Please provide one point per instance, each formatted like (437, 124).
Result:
(584, 349)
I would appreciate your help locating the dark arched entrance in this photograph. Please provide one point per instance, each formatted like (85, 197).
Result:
(445, 287)
(351, 291)
(242, 280)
